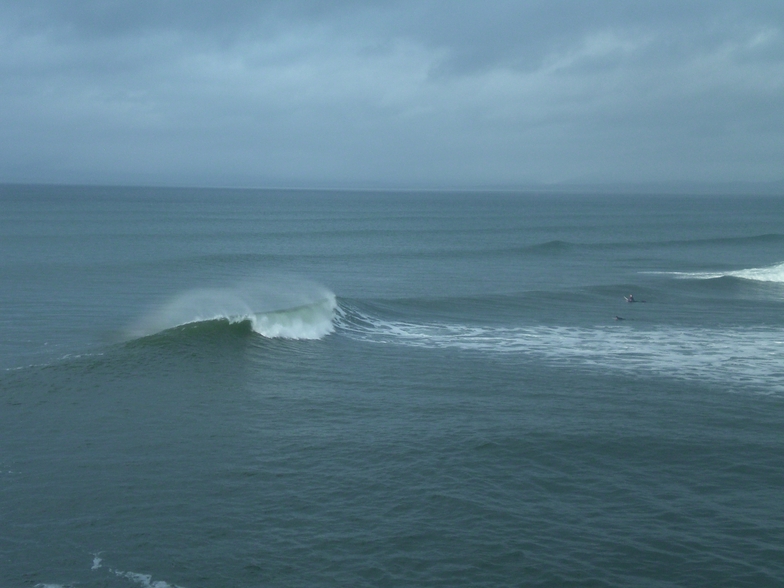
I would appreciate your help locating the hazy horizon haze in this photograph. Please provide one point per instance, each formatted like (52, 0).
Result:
(393, 94)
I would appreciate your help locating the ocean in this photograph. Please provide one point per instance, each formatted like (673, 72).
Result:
(252, 388)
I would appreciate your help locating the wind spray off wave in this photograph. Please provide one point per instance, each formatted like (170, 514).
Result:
(279, 309)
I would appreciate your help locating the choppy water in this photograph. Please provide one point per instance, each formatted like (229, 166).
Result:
(260, 388)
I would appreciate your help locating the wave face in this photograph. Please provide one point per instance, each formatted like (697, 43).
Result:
(288, 310)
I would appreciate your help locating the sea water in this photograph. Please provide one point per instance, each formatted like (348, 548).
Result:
(231, 388)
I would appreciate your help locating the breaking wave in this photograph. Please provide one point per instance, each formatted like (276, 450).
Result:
(773, 273)
(305, 311)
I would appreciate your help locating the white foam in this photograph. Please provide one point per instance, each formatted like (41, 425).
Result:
(773, 273)
(742, 357)
(312, 321)
(145, 580)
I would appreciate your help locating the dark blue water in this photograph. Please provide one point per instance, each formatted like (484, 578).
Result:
(260, 388)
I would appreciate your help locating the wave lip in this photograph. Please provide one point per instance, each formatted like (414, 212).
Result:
(299, 314)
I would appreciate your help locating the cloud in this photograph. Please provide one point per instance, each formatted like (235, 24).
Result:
(391, 93)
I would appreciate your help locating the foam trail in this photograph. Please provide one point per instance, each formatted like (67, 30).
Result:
(281, 309)
(747, 358)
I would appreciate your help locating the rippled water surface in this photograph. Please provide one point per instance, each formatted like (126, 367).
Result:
(260, 388)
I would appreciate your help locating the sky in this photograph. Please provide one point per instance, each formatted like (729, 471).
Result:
(395, 94)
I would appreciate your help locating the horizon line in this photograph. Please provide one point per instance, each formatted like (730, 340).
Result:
(666, 187)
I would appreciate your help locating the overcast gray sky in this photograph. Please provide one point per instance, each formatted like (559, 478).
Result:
(448, 93)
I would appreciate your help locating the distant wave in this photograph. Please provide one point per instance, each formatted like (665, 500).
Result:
(559, 246)
(773, 273)
(300, 310)
(766, 238)
(549, 247)
(741, 357)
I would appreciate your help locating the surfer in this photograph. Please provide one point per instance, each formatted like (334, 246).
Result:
(630, 298)
(618, 318)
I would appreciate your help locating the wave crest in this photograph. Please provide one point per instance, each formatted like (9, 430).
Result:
(773, 273)
(304, 312)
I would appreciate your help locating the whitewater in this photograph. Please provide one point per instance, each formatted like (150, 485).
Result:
(774, 273)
